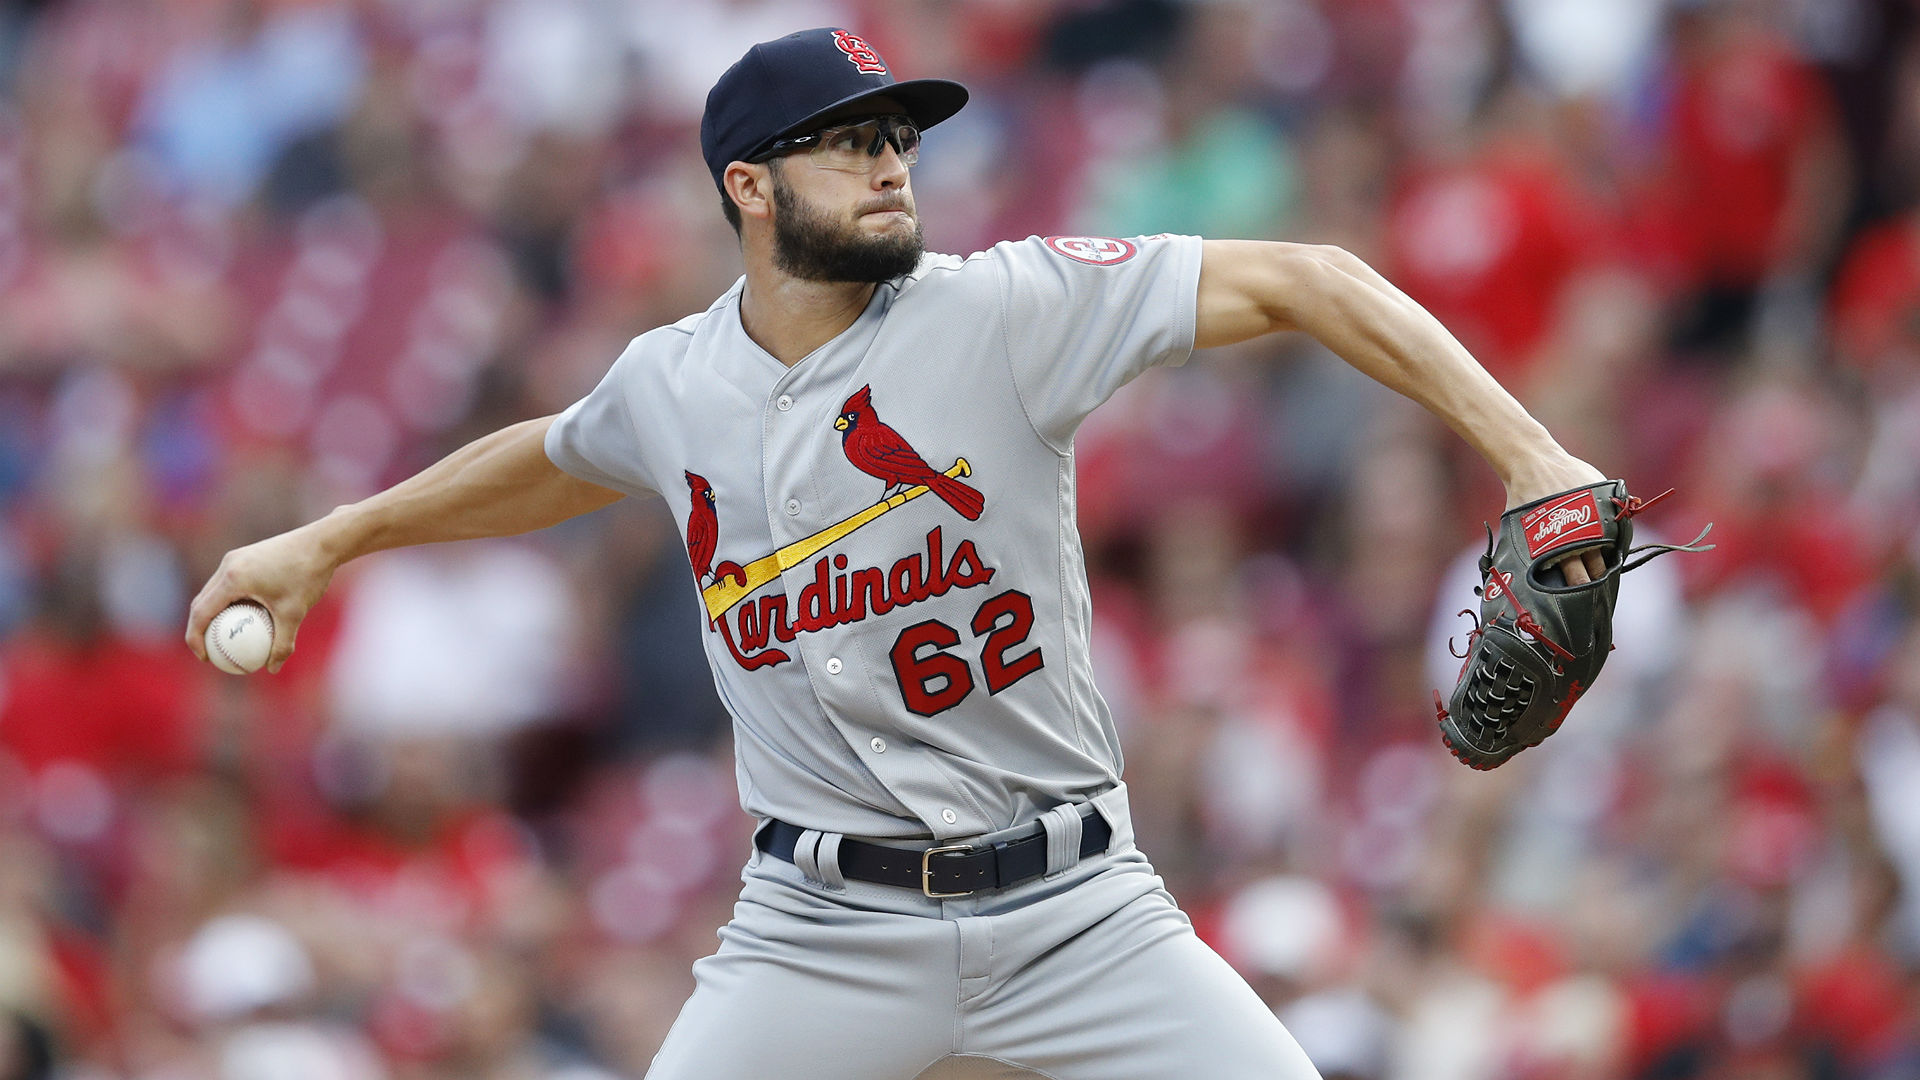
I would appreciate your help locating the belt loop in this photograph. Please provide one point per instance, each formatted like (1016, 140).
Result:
(1112, 805)
(827, 859)
(762, 834)
(805, 857)
(1063, 825)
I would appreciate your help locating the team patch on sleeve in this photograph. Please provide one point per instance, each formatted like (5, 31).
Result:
(1093, 250)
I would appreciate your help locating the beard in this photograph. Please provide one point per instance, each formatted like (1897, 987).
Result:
(810, 245)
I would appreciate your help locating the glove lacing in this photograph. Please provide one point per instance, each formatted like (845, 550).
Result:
(1624, 511)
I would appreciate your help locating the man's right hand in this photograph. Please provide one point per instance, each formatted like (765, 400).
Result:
(285, 573)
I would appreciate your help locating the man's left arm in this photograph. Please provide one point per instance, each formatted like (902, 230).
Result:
(1250, 287)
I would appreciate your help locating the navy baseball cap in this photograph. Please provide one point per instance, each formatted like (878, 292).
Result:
(782, 88)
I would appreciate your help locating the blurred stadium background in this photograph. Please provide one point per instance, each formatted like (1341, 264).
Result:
(260, 257)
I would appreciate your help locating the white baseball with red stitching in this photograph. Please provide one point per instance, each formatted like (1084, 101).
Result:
(240, 638)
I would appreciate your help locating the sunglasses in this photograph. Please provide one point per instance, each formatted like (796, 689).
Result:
(852, 147)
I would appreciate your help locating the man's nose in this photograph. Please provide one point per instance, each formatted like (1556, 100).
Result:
(888, 170)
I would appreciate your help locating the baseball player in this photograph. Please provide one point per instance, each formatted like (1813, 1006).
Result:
(870, 451)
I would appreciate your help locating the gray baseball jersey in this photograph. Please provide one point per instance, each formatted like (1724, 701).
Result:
(884, 533)
(883, 537)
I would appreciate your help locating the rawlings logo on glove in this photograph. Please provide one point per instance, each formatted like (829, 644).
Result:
(1570, 520)
(1537, 643)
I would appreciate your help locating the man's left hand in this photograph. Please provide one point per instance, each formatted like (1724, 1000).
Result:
(1550, 476)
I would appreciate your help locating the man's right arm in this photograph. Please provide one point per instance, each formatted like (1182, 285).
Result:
(499, 485)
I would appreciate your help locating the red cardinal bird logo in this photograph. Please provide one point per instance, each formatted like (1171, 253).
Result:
(703, 527)
(878, 450)
(703, 531)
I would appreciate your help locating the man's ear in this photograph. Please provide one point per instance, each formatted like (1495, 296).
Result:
(751, 189)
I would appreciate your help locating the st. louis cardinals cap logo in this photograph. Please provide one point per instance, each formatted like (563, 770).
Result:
(1093, 250)
(860, 53)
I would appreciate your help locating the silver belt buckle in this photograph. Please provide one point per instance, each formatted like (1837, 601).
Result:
(926, 871)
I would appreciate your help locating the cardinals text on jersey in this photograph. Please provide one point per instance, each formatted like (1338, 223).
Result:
(931, 678)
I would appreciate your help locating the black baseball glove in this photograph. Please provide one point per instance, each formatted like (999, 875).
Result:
(1538, 643)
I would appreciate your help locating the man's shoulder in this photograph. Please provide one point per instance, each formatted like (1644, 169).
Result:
(1058, 252)
(935, 266)
(676, 339)
(1017, 264)
(938, 272)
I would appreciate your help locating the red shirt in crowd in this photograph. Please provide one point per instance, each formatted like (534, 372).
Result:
(1488, 244)
(1745, 112)
(1876, 297)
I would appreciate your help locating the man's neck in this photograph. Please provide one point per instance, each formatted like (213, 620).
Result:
(790, 318)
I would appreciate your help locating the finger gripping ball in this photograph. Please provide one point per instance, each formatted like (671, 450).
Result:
(240, 638)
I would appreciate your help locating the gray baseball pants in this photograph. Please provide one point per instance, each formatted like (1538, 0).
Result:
(1091, 973)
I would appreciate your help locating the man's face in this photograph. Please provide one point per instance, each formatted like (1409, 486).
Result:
(830, 225)
(877, 239)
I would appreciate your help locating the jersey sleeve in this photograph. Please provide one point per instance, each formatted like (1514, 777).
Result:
(595, 438)
(1085, 315)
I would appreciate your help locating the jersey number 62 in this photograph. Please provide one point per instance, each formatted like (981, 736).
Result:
(938, 681)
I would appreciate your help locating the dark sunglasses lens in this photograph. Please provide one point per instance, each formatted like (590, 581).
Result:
(852, 148)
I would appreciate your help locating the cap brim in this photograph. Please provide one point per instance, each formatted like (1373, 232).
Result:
(926, 101)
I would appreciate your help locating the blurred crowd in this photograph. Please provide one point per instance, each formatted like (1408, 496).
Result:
(262, 257)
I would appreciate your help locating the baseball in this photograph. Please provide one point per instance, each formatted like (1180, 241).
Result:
(240, 637)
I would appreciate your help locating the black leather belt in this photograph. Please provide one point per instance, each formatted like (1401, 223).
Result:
(945, 870)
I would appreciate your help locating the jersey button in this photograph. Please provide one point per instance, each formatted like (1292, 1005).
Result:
(834, 665)
(949, 816)
(879, 745)
(784, 403)
(793, 507)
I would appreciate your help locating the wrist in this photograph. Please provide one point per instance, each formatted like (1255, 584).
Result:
(1527, 456)
(343, 535)
(1547, 472)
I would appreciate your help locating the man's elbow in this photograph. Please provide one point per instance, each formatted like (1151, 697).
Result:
(1319, 260)
(1308, 277)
